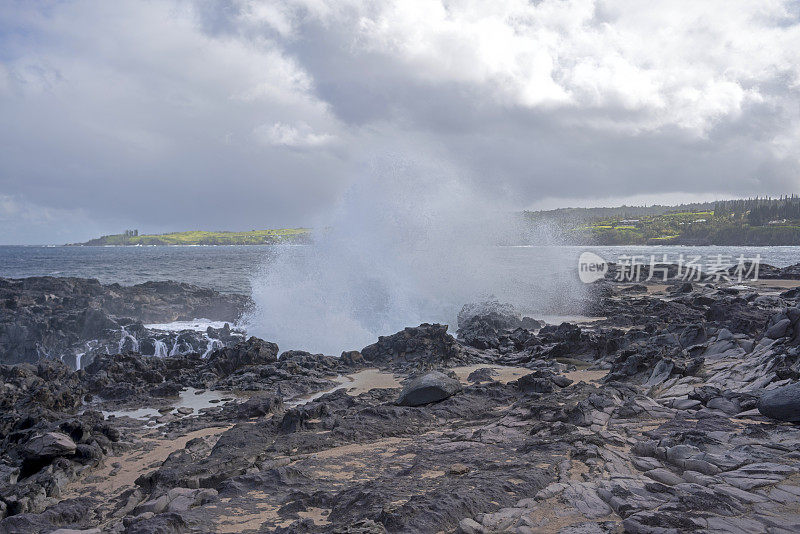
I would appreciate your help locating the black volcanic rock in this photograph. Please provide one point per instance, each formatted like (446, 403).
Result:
(260, 405)
(49, 445)
(254, 351)
(491, 325)
(425, 346)
(782, 403)
(656, 431)
(430, 387)
(51, 317)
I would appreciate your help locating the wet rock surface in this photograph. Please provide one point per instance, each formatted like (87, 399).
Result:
(47, 317)
(671, 412)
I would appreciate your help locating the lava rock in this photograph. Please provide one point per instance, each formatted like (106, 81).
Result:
(260, 405)
(254, 351)
(782, 403)
(779, 329)
(50, 445)
(426, 344)
(484, 374)
(430, 387)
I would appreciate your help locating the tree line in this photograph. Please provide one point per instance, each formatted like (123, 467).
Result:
(760, 211)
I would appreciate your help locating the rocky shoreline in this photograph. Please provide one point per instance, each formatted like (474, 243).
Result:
(673, 411)
(75, 319)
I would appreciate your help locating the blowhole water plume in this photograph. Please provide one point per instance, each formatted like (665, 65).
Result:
(404, 248)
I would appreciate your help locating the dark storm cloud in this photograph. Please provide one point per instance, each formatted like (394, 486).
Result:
(236, 114)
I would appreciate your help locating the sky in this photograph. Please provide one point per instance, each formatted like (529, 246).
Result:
(237, 114)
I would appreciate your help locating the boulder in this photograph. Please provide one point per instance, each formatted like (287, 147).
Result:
(484, 374)
(779, 329)
(254, 351)
(535, 382)
(493, 325)
(782, 403)
(50, 445)
(661, 372)
(430, 387)
(260, 405)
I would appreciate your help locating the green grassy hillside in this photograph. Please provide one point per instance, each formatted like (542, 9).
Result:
(197, 237)
(737, 222)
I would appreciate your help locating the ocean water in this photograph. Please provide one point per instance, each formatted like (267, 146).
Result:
(224, 268)
(232, 269)
(343, 297)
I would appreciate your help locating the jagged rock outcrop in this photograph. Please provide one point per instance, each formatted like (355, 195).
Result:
(254, 351)
(425, 346)
(43, 317)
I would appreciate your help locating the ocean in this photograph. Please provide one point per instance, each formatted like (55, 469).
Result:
(328, 298)
(233, 268)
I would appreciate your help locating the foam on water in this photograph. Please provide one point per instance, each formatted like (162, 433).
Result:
(404, 247)
(160, 349)
(198, 325)
(126, 336)
(213, 344)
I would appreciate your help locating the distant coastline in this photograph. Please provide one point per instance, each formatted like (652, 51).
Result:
(132, 238)
(747, 222)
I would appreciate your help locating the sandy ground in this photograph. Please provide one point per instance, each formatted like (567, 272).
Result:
(585, 375)
(778, 284)
(504, 374)
(367, 379)
(355, 384)
(232, 518)
(146, 453)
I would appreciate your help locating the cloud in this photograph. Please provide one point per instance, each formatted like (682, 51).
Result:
(241, 114)
(301, 135)
(23, 222)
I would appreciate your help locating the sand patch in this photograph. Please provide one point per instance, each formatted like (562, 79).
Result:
(780, 284)
(135, 463)
(368, 379)
(656, 288)
(383, 447)
(505, 374)
(239, 520)
(354, 384)
(552, 515)
(246, 515)
(577, 470)
(586, 375)
(318, 515)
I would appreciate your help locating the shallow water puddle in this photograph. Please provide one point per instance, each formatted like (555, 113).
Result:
(188, 398)
(355, 384)
(574, 319)
(586, 375)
